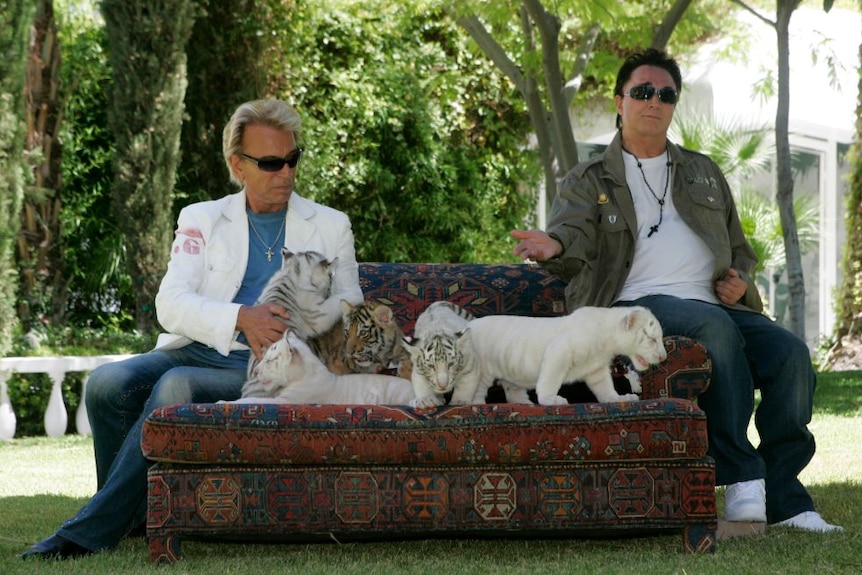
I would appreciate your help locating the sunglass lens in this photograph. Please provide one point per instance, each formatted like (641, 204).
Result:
(293, 159)
(642, 92)
(273, 165)
(277, 164)
(667, 96)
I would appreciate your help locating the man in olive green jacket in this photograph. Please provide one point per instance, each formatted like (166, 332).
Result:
(649, 223)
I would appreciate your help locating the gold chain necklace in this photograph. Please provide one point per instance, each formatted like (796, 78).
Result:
(269, 253)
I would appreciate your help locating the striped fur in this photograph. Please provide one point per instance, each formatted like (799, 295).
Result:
(366, 340)
(441, 353)
(303, 287)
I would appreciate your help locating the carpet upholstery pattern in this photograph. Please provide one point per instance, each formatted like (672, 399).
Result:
(275, 472)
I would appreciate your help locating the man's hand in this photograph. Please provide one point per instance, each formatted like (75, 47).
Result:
(535, 245)
(731, 287)
(262, 324)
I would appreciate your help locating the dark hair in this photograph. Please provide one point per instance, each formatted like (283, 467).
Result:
(649, 57)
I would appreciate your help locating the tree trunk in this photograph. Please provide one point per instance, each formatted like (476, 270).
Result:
(665, 28)
(784, 194)
(42, 293)
(15, 20)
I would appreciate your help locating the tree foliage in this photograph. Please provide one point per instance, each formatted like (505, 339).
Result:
(15, 19)
(847, 347)
(231, 58)
(408, 132)
(147, 40)
(568, 53)
(100, 289)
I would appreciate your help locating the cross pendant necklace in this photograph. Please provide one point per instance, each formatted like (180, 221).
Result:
(268, 253)
(653, 229)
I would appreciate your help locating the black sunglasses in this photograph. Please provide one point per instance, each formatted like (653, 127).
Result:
(666, 95)
(275, 164)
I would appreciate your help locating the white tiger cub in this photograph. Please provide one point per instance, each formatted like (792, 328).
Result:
(543, 353)
(303, 286)
(289, 372)
(442, 356)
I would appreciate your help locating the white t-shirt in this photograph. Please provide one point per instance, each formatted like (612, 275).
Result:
(673, 260)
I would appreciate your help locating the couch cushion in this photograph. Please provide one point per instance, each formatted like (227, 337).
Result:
(481, 289)
(485, 433)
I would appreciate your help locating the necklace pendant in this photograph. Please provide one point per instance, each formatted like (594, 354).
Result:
(269, 254)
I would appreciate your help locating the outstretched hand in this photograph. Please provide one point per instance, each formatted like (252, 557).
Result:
(535, 245)
(262, 324)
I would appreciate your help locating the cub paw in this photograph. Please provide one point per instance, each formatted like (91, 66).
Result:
(634, 380)
(425, 402)
(552, 400)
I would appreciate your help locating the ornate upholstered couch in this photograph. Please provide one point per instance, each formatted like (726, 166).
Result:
(266, 472)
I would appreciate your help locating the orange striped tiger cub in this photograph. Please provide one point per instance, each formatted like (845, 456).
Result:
(367, 339)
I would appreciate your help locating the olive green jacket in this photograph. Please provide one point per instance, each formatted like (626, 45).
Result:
(593, 217)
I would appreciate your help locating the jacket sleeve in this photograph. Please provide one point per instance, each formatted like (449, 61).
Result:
(572, 223)
(743, 259)
(194, 298)
(346, 278)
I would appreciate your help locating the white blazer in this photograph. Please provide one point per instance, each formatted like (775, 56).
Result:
(208, 260)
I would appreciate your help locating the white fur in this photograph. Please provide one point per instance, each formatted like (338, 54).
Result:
(441, 324)
(544, 353)
(290, 373)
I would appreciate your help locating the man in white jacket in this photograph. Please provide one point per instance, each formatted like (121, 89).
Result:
(223, 253)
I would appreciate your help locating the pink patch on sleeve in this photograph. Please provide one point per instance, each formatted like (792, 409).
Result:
(191, 247)
(190, 232)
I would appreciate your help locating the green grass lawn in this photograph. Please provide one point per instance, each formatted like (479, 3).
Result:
(45, 480)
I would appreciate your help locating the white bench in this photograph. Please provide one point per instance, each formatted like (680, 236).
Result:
(56, 367)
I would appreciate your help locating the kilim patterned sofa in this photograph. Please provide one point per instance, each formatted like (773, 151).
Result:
(265, 472)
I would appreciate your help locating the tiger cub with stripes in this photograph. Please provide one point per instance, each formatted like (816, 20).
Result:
(303, 287)
(366, 339)
(442, 356)
(291, 373)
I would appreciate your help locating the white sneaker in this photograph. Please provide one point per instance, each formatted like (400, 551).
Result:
(746, 501)
(808, 521)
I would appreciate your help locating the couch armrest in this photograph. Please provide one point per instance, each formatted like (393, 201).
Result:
(684, 374)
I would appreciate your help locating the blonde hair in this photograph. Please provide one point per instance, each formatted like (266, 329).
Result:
(275, 113)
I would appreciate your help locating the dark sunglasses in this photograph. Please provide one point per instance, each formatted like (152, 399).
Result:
(275, 164)
(666, 95)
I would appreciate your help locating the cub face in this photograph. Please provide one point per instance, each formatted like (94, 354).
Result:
(278, 366)
(648, 346)
(439, 361)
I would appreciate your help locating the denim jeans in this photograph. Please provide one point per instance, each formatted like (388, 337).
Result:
(750, 351)
(119, 397)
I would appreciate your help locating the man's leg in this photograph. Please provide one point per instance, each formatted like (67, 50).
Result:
(782, 370)
(119, 506)
(729, 400)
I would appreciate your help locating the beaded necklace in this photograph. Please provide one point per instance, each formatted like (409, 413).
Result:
(654, 229)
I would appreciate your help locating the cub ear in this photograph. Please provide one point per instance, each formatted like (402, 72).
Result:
(412, 347)
(346, 307)
(634, 318)
(383, 314)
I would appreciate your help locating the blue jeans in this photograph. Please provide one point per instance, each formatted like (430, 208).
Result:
(119, 398)
(750, 351)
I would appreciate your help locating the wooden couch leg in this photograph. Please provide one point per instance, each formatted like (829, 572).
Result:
(165, 549)
(699, 538)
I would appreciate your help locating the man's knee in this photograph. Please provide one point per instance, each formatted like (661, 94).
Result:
(175, 386)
